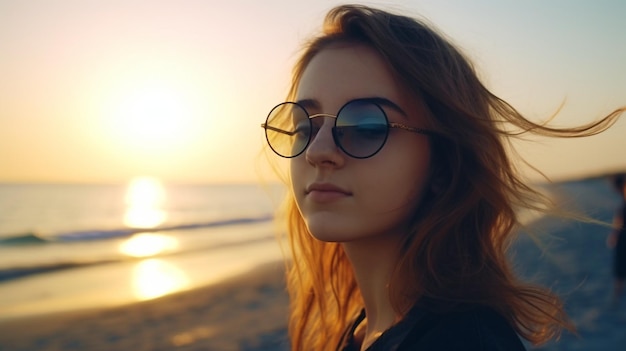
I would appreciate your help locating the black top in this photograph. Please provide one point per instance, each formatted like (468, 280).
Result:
(473, 328)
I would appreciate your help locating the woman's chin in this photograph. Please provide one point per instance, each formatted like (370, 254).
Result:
(328, 232)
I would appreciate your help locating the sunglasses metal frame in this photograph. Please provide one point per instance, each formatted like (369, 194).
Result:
(337, 143)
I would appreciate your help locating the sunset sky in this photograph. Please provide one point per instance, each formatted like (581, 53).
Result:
(103, 91)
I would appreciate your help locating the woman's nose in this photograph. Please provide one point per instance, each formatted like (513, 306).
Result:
(322, 149)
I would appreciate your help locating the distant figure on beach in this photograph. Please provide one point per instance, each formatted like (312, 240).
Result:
(617, 240)
(403, 197)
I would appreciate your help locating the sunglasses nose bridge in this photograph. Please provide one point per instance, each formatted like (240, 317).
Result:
(322, 115)
(328, 121)
(323, 134)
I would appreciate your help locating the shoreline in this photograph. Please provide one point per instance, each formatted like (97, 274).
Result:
(248, 311)
(131, 281)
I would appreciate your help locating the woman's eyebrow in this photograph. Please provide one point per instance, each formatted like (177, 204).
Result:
(384, 102)
(309, 104)
(381, 101)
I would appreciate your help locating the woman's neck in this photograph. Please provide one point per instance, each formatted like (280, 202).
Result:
(373, 261)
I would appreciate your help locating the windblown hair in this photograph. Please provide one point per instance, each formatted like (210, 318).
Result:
(455, 250)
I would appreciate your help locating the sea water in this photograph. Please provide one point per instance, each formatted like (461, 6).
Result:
(69, 246)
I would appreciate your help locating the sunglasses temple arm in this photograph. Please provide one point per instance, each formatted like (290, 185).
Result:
(263, 125)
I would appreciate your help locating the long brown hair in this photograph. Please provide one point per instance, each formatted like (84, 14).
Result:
(455, 251)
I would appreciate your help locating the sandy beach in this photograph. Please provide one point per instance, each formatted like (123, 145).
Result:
(249, 312)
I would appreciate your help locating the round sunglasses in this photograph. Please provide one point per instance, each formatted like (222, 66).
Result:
(361, 128)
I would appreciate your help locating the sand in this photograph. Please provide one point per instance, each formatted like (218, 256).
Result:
(248, 312)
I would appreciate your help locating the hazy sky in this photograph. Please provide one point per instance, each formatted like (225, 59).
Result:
(102, 91)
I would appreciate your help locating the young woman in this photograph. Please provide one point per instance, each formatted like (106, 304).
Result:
(403, 197)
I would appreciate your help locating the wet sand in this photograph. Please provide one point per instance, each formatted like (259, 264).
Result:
(248, 312)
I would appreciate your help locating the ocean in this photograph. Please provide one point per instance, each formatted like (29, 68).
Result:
(74, 246)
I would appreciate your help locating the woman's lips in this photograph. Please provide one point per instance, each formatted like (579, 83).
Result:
(325, 192)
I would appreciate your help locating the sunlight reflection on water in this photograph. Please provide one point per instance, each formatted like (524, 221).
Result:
(153, 278)
(148, 244)
(145, 198)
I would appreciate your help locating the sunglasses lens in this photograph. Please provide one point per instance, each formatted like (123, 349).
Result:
(288, 129)
(361, 129)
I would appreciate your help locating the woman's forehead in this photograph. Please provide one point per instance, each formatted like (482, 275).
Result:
(344, 72)
(347, 72)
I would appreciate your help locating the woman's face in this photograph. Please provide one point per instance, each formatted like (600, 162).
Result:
(345, 199)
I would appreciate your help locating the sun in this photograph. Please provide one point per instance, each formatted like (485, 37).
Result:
(155, 122)
(150, 113)
(154, 113)
(152, 116)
